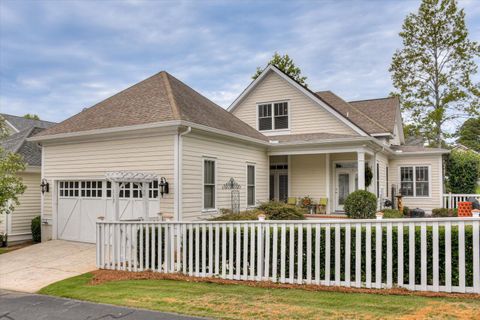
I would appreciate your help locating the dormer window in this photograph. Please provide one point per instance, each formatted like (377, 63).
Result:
(276, 119)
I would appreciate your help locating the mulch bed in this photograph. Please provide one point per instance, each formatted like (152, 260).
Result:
(102, 276)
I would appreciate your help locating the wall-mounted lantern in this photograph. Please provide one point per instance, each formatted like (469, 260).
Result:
(163, 184)
(45, 186)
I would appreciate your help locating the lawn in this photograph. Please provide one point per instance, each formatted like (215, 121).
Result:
(3, 250)
(228, 301)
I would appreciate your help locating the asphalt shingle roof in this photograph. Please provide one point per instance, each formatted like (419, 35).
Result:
(159, 98)
(30, 151)
(21, 123)
(383, 110)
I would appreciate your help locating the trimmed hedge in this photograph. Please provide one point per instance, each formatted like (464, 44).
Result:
(36, 227)
(444, 212)
(360, 204)
(454, 252)
(392, 214)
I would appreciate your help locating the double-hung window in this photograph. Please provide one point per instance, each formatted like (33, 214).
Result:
(273, 116)
(250, 185)
(415, 181)
(208, 184)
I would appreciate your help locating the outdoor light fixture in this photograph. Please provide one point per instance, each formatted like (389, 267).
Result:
(163, 184)
(45, 186)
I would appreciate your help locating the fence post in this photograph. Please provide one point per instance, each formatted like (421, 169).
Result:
(450, 205)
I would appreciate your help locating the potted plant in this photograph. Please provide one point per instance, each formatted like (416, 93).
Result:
(307, 202)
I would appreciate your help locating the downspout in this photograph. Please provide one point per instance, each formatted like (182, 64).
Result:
(178, 173)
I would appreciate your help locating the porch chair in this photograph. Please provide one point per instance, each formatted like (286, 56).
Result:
(322, 205)
(292, 201)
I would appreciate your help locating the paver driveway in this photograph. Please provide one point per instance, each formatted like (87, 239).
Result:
(31, 268)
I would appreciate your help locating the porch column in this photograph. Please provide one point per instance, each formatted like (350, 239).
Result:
(361, 169)
(327, 182)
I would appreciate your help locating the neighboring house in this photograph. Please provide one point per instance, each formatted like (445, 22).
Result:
(17, 224)
(277, 140)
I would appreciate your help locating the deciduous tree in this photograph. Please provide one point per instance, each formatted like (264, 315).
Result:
(433, 71)
(286, 64)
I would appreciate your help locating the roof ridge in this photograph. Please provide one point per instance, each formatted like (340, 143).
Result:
(171, 97)
(25, 135)
(372, 99)
(359, 111)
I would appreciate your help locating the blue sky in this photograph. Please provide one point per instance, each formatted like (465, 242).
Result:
(57, 57)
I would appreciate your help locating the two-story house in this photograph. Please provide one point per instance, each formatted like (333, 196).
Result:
(277, 140)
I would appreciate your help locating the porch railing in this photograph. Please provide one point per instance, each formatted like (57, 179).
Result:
(451, 200)
(440, 254)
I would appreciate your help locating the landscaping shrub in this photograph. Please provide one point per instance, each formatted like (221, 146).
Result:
(289, 236)
(36, 227)
(406, 211)
(462, 171)
(444, 212)
(392, 214)
(274, 210)
(360, 204)
(228, 215)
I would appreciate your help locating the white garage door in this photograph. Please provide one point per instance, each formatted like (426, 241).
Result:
(80, 203)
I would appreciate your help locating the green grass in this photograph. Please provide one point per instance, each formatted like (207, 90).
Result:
(243, 302)
(3, 250)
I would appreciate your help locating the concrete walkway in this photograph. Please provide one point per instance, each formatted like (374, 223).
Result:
(16, 305)
(31, 268)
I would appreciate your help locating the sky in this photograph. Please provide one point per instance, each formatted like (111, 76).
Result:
(58, 57)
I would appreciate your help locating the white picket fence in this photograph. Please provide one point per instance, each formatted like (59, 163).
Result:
(451, 200)
(441, 254)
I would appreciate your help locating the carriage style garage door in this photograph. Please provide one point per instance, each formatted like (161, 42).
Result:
(80, 203)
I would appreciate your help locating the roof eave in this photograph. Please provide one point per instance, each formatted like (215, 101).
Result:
(61, 136)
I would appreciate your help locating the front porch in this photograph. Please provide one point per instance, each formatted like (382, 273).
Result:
(323, 175)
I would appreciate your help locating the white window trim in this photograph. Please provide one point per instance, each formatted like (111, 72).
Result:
(215, 209)
(414, 166)
(276, 131)
(249, 206)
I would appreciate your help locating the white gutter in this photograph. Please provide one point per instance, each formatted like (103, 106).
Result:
(153, 125)
(178, 173)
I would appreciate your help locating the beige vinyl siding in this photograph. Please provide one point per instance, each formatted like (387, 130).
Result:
(231, 160)
(18, 224)
(92, 159)
(436, 176)
(308, 176)
(383, 162)
(29, 207)
(306, 116)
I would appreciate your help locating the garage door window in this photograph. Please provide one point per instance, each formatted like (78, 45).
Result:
(92, 189)
(69, 189)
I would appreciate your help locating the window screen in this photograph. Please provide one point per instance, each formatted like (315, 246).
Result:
(209, 184)
(406, 178)
(250, 185)
(265, 117)
(281, 115)
(421, 182)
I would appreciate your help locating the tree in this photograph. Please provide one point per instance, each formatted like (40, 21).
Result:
(31, 116)
(11, 185)
(462, 171)
(469, 134)
(433, 71)
(3, 128)
(286, 64)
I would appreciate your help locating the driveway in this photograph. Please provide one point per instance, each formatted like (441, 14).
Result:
(31, 268)
(16, 305)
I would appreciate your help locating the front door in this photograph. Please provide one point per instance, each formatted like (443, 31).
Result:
(346, 183)
(279, 185)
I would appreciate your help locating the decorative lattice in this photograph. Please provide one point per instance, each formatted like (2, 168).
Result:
(234, 195)
(131, 176)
